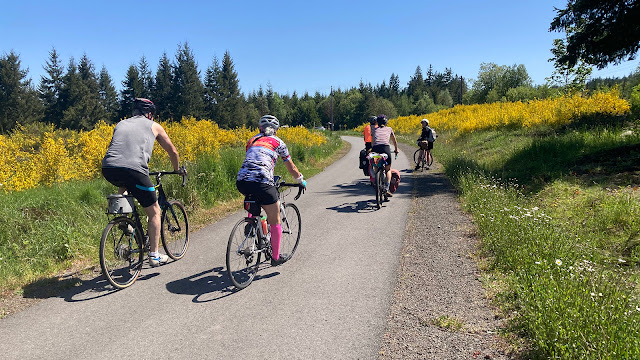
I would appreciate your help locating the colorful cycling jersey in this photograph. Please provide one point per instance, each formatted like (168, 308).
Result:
(262, 154)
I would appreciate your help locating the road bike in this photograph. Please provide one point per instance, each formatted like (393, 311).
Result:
(378, 163)
(124, 240)
(422, 158)
(250, 238)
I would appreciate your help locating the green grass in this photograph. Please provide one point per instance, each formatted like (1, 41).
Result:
(558, 215)
(46, 230)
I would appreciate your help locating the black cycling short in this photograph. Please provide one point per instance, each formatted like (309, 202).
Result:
(265, 194)
(383, 149)
(137, 184)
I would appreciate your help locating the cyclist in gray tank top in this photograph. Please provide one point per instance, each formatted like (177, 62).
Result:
(126, 165)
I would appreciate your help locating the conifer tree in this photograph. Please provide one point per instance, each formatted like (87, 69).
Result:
(18, 100)
(80, 96)
(146, 78)
(108, 96)
(187, 87)
(230, 99)
(212, 90)
(162, 94)
(131, 88)
(50, 88)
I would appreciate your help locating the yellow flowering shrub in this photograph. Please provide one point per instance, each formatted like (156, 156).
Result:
(550, 112)
(60, 155)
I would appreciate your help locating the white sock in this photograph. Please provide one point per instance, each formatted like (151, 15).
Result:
(154, 254)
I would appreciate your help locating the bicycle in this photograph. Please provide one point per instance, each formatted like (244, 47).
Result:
(378, 163)
(250, 237)
(422, 158)
(124, 240)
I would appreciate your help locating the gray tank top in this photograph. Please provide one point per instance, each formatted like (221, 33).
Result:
(131, 145)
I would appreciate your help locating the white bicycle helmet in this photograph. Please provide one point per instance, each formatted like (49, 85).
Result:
(425, 121)
(268, 121)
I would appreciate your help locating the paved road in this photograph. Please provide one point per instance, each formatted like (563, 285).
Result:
(330, 301)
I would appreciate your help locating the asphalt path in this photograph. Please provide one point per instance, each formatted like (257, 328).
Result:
(329, 301)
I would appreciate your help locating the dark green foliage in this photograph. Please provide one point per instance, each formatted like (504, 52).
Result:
(108, 96)
(188, 91)
(50, 88)
(229, 101)
(18, 100)
(132, 88)
(599, 32)
(161, 94)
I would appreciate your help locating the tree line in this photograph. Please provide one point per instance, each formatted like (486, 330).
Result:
(77, 96)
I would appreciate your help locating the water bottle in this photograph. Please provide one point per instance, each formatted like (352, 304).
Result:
(263, 221)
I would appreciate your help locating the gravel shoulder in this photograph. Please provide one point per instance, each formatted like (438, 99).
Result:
(439, 308)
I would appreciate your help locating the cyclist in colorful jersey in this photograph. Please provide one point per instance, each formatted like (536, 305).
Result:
(256, 177)
(381, 137)
(126, 165)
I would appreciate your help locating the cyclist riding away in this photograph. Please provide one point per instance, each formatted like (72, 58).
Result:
(256, 177)
(425, 141)
(381, 137)
(367, 133)
(126, 165)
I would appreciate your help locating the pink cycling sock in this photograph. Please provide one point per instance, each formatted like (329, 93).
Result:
(276, 234)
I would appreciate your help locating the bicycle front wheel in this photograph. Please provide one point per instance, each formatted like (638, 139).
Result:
(121, 252)
(416, 157)
(175, 230)
(291, 226)
(243, 257)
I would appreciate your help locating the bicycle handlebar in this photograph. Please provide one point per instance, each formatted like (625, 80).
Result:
(182, 172)
(299, 186)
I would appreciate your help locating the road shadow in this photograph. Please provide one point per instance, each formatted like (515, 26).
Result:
(363, 206)
(430, 183)
(75, 288)
(211, 285)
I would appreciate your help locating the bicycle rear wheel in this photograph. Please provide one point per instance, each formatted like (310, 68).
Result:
(121, 252)
(175, 230)
(379, 188)
(291, 226)
(243, 257)
(429, 158)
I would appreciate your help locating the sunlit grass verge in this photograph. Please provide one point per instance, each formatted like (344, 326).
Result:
(563, 244)
(48, 229)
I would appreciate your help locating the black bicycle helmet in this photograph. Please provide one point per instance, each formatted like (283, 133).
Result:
(144, 106)
(382, 120)
(373, 120)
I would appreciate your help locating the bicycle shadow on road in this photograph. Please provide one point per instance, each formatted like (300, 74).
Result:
(364, 206)
(210, 285)
(74, 288)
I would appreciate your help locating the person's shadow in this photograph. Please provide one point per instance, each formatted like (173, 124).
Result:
(211, 285)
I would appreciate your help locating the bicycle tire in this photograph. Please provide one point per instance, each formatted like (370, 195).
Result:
(416, 157)
(291, 230)
(175, 230)
(378, 188)
(121, 254)
(242, 256)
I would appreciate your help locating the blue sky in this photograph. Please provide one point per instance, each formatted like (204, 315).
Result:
(293, 45)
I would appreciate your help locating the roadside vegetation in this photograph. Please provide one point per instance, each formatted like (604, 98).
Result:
(52, 212)
(557, 209)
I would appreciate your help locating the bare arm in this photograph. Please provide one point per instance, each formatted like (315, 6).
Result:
(395, 143)
(293, 170)
(167, 145)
